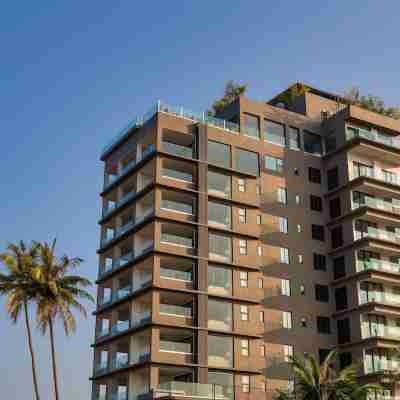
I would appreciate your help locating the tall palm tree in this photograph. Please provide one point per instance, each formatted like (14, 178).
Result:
(58, 294)
(314, 381)
(16, 284)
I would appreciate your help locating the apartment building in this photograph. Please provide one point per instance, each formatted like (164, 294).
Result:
(230, 243)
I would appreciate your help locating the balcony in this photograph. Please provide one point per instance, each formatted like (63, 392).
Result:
(375, 233)
(380, 362)
(176, 310)
(376, 292)
(178, 202)
(220, 247)
(376, 203)
(193, 390)
(219, 184)
(178, 143)
(372, 135)
(219, 280)
(178, 235)
(177, 269)
(178, 171)
(375, 173)
(386, 330)
(378, 265)
(111, 178)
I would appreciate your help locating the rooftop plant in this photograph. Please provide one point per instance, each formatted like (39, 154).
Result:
(232, 91)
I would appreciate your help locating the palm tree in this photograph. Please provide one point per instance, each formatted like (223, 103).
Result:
(325, 382)
(57, 295)
(16, 284)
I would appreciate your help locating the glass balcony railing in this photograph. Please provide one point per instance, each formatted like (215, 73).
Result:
(376, 173)
(175, 310)
(178, 150)
(121, 293)
(377, 203)
(120, 326)
(119, 203)
(175, 347)
(125, 228)
(375, 136)
(380, 330)
(118, 396)
(177, 175)
(141, 318)
(380, 365)
(129, 166)
(120, 360)
(176, 111)
(169, 273)
(177, 206)
(376, 233)
(140, 356)
(379, 297)
(377, 265)
(101, 367)
(183, 241)
(125, 259)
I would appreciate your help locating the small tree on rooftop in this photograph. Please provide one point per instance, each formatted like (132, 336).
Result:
(232, 91)
(371, 103)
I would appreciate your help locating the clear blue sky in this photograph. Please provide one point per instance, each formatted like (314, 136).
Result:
(73, 72)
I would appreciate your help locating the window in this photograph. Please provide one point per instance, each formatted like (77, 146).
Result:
(251, 125)
(319, 262)
(343, 327)
(337, 237)
(219, 279)
(300, 258)
(219, 154)
(282, 195)
(339, 267)
(322, 293)
(287, 352)
(220, 247)
(389, 176)
(258, 219)
(284, 255)
(298, 199)
(262, 350)
(286, 320)
(219, 315)
(283, 224)
(245, 383)
(244, 347)
(312, 143)
(260, 283)
(333, 178)
(261, 316)
(259, 251)
(220, 351)
(241, 185)
(335, 209)
(244, 313)
(242, 247)
(316, 203)
(285, 287)
(242, 215)
(314, 175)
(274, 133)
(294, 138)
(244, 279)
(341, 298)
(318, 232)
(219, 184)
(219, 214)
(323, 325)
(247, 162)
(274, 164)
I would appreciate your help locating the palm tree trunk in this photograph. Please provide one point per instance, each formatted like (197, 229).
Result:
(53, 358)
(28, 330)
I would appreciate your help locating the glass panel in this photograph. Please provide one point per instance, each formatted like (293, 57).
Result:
(219, 280)
(247, 161)
(219, 214)
(220, 247)
(219, 315)
(312, 143)
(251, 125)
(219, 184)
(219, 154)
(294, 138)
(220, 351)
(274, 133)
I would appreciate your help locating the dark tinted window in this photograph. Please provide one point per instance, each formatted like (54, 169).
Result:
(322, 293)
(335, 209)
(314, 175)
(343, 327)
(333, 178)
(219, 153)
(324, 325)
(319, 262)
(339, 267)
(315, 203)
(341, 298)
(337, 237)
(318, 232)
(312, 143)
(247, 161)
(274, 132)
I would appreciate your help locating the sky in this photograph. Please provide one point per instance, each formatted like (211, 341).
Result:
(72, 73)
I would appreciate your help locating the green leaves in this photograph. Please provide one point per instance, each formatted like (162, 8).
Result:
(232, 91)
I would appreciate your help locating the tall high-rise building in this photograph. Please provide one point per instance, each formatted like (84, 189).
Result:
(230, 243)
